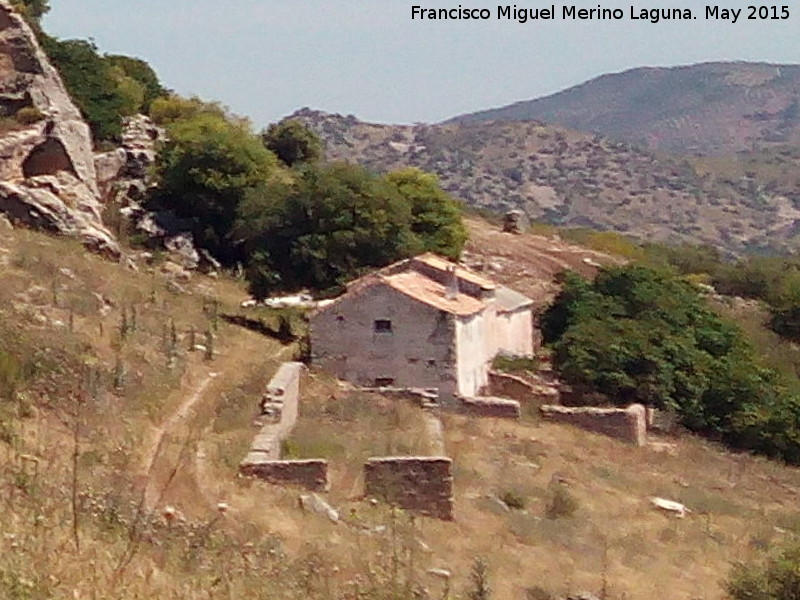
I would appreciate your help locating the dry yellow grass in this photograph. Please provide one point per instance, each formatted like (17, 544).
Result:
(264, 546)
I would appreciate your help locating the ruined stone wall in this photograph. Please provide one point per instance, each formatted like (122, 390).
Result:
(280, 404)
(418, 352)
(510, 386)
(487, 406)
(311, 474)
(626, 424)
(419, 484)
(282, 397)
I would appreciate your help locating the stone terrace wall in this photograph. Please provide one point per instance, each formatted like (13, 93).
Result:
(626, 424)
(280, 405)
(420, 484)
(487, 406)
(311, 474)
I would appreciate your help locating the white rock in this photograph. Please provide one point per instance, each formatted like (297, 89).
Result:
(680, 510)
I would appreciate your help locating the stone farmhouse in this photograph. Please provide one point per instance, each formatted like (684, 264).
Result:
(425, 323)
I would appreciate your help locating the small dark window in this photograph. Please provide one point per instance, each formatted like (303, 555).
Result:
(339, 318)
(431, 363)
(383, 326)
(384, 381)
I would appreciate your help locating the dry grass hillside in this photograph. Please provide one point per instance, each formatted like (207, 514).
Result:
(109, 423)
(574, 179)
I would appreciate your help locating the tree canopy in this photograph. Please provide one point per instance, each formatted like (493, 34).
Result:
(205, 171)
(105, 88)
(333, 222)
(637, 334)
(292, 142)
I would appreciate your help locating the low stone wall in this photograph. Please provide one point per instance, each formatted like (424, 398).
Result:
(311, 474)
(506, 385)
(280, 406)
(626, 424)
(488, 406)
(419, 484)
(509, 386)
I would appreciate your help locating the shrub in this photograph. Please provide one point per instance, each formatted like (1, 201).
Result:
(778, 579)
(513, 500)
(28, 115)
(562, 504)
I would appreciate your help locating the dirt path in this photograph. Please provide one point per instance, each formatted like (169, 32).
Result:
(172, 442)
(151, 493)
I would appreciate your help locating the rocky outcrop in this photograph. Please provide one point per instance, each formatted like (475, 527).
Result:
(48, 178)
(123, 174)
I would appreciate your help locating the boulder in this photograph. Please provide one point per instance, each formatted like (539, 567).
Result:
(47, 167)
(516, 221)
(315, 504)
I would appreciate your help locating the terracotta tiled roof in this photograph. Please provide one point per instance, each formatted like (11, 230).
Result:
(428, 291)
(441, 264)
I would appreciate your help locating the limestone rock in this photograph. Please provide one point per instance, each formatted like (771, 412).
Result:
(516, 221)
(47, 167)
(315, 504)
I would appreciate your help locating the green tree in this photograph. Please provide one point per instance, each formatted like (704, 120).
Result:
(104, 95)
(435, 217)
(292, 142)
(143, 74)
(32, 10)
(641, 335)
(322, 229)
(205, 171)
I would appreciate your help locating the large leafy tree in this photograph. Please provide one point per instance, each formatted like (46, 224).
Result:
(641, 335)
(205, 171)
(292, 142)
(32, 10)
(435, 217)
(140, 72)
(323, 228)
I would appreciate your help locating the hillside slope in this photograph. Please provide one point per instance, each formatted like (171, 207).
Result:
(168, 430)
(706, 109)
(573, 179)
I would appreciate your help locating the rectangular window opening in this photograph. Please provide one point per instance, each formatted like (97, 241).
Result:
(383, 326)
(384, 382)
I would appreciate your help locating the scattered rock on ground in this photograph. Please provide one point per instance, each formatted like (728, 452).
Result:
(315, 504)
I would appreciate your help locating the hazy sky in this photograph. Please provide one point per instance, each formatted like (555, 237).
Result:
(267, 58)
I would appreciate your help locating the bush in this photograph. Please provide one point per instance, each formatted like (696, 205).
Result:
(513, 500)
(28, 115)
(562, 504)
(778, 579)
(642, 335)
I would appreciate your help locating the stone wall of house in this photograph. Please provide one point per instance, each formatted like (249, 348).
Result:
(310, 474)
(488, 406)
(473, 353)
(626, 424)
(512, 332)
(417, 352)
(419, 484)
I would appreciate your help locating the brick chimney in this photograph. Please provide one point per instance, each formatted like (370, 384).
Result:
(451, 290)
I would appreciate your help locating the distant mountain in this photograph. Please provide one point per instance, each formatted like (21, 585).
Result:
(705, 109)
(570, 178)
